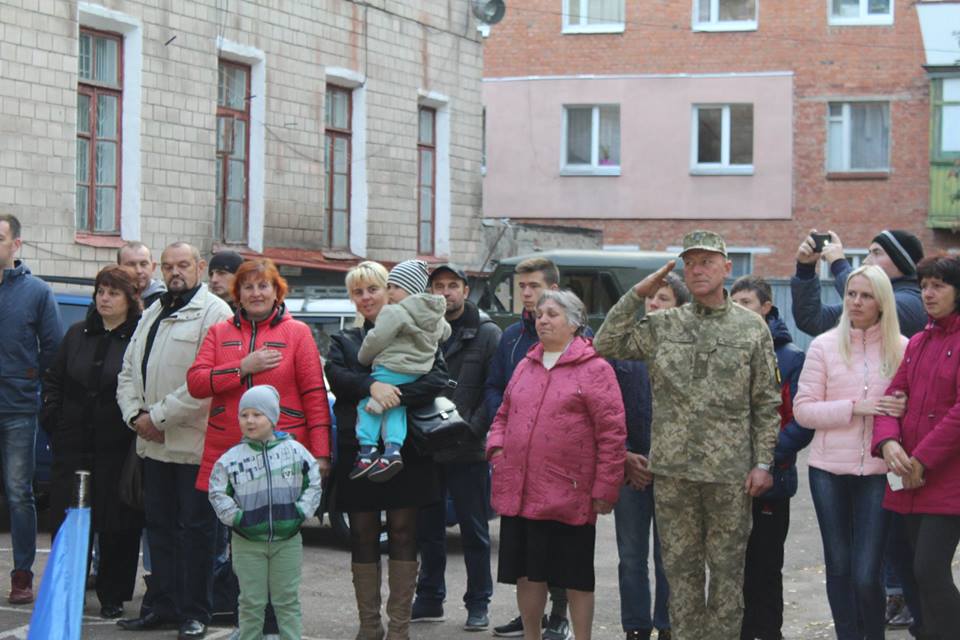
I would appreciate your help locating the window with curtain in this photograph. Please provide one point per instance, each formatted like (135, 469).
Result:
(858, 136)
(99, 100)
(723, 138)
(722, 14)
(233, 142)
(426, 179)
(337, 156)
(598, 15)
(592, 134)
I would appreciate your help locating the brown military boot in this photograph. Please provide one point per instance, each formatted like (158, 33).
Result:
(21, 587)
(366, 585)
(403, 583)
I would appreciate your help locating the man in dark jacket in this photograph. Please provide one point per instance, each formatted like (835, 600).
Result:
(464, 472)
(763, 577)
(29, 337)
(896, 252)
(533, 277)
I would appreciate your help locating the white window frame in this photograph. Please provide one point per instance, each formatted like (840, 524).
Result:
(715, 24)
(359, 195)
(722, 168)
(846, 142)
(583, 27)
(864, 19)
(854, 256)
(256, 173)
(594, 168)
(442, 206)
(130, 28)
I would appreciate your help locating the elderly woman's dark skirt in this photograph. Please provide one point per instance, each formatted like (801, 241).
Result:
(546, 551)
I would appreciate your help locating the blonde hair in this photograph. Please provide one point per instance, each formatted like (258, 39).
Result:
(891, 350)
(366, 271)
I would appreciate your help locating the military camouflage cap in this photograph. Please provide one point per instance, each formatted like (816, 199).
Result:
(704, 241)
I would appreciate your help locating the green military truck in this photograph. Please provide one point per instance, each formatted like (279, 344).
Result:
(598, 277)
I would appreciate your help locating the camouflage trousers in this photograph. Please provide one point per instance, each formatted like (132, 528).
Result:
(703, 525)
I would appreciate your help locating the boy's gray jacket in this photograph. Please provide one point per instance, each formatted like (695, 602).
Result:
(406, 335)
(181, 417)
(265, 490)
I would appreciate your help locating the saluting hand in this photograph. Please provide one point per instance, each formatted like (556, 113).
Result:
(652, 283)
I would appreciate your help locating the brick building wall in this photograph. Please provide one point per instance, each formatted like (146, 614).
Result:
(829, 63)
(401, 51)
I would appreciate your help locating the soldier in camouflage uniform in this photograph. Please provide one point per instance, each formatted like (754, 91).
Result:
(715, 399)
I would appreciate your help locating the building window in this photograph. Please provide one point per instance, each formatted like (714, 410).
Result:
(722, 139)
(742, 263)
(99, 99)
(591, 140)
(858, 136)
(851, 12)
(337, 156)
(946, 118)
(725, 15)
(233, 150)
(593, 16)
(426, 179)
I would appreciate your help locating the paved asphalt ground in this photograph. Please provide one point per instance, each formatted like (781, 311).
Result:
(329, 611)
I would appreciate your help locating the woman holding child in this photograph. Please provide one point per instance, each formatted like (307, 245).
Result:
(412, 487)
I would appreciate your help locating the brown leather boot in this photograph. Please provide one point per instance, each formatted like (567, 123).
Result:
(366, 585)
(21, 587)
(403, 583)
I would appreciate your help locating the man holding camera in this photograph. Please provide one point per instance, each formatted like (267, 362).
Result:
(896, 252)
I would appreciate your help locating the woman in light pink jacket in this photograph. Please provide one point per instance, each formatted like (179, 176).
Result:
(841, 389)
(557, 448)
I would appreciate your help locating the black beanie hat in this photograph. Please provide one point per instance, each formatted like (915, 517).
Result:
(904, 249)
(225, 261)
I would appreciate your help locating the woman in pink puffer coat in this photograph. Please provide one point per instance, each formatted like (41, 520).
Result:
(557, 448)
(841, 388)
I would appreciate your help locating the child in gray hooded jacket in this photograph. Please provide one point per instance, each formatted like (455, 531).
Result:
(401, 347)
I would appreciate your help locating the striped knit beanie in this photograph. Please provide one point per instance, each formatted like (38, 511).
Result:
(904, 249)
(410, 275)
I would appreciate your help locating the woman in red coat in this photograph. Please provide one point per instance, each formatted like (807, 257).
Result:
(262, 344)
(557, 448)
(923, 447)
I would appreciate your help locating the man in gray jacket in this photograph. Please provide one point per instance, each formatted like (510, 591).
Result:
(464, 471)
(170, 425)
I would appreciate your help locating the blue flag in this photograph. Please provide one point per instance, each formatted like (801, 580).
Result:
(58, 612)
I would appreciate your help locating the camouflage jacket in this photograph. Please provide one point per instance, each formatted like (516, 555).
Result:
(715, 391)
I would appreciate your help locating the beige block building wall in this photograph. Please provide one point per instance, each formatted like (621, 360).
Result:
(396, 54)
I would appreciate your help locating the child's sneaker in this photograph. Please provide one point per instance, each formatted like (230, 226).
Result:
(366, 462)
(387, 465)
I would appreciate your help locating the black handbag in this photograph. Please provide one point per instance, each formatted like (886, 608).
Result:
(437, 426)
(131, 479)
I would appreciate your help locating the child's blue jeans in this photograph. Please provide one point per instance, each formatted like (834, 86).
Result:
(395, 419)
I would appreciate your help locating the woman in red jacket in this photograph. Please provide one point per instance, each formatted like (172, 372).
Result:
(557, 448)
(923, 447)
(262, 344)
